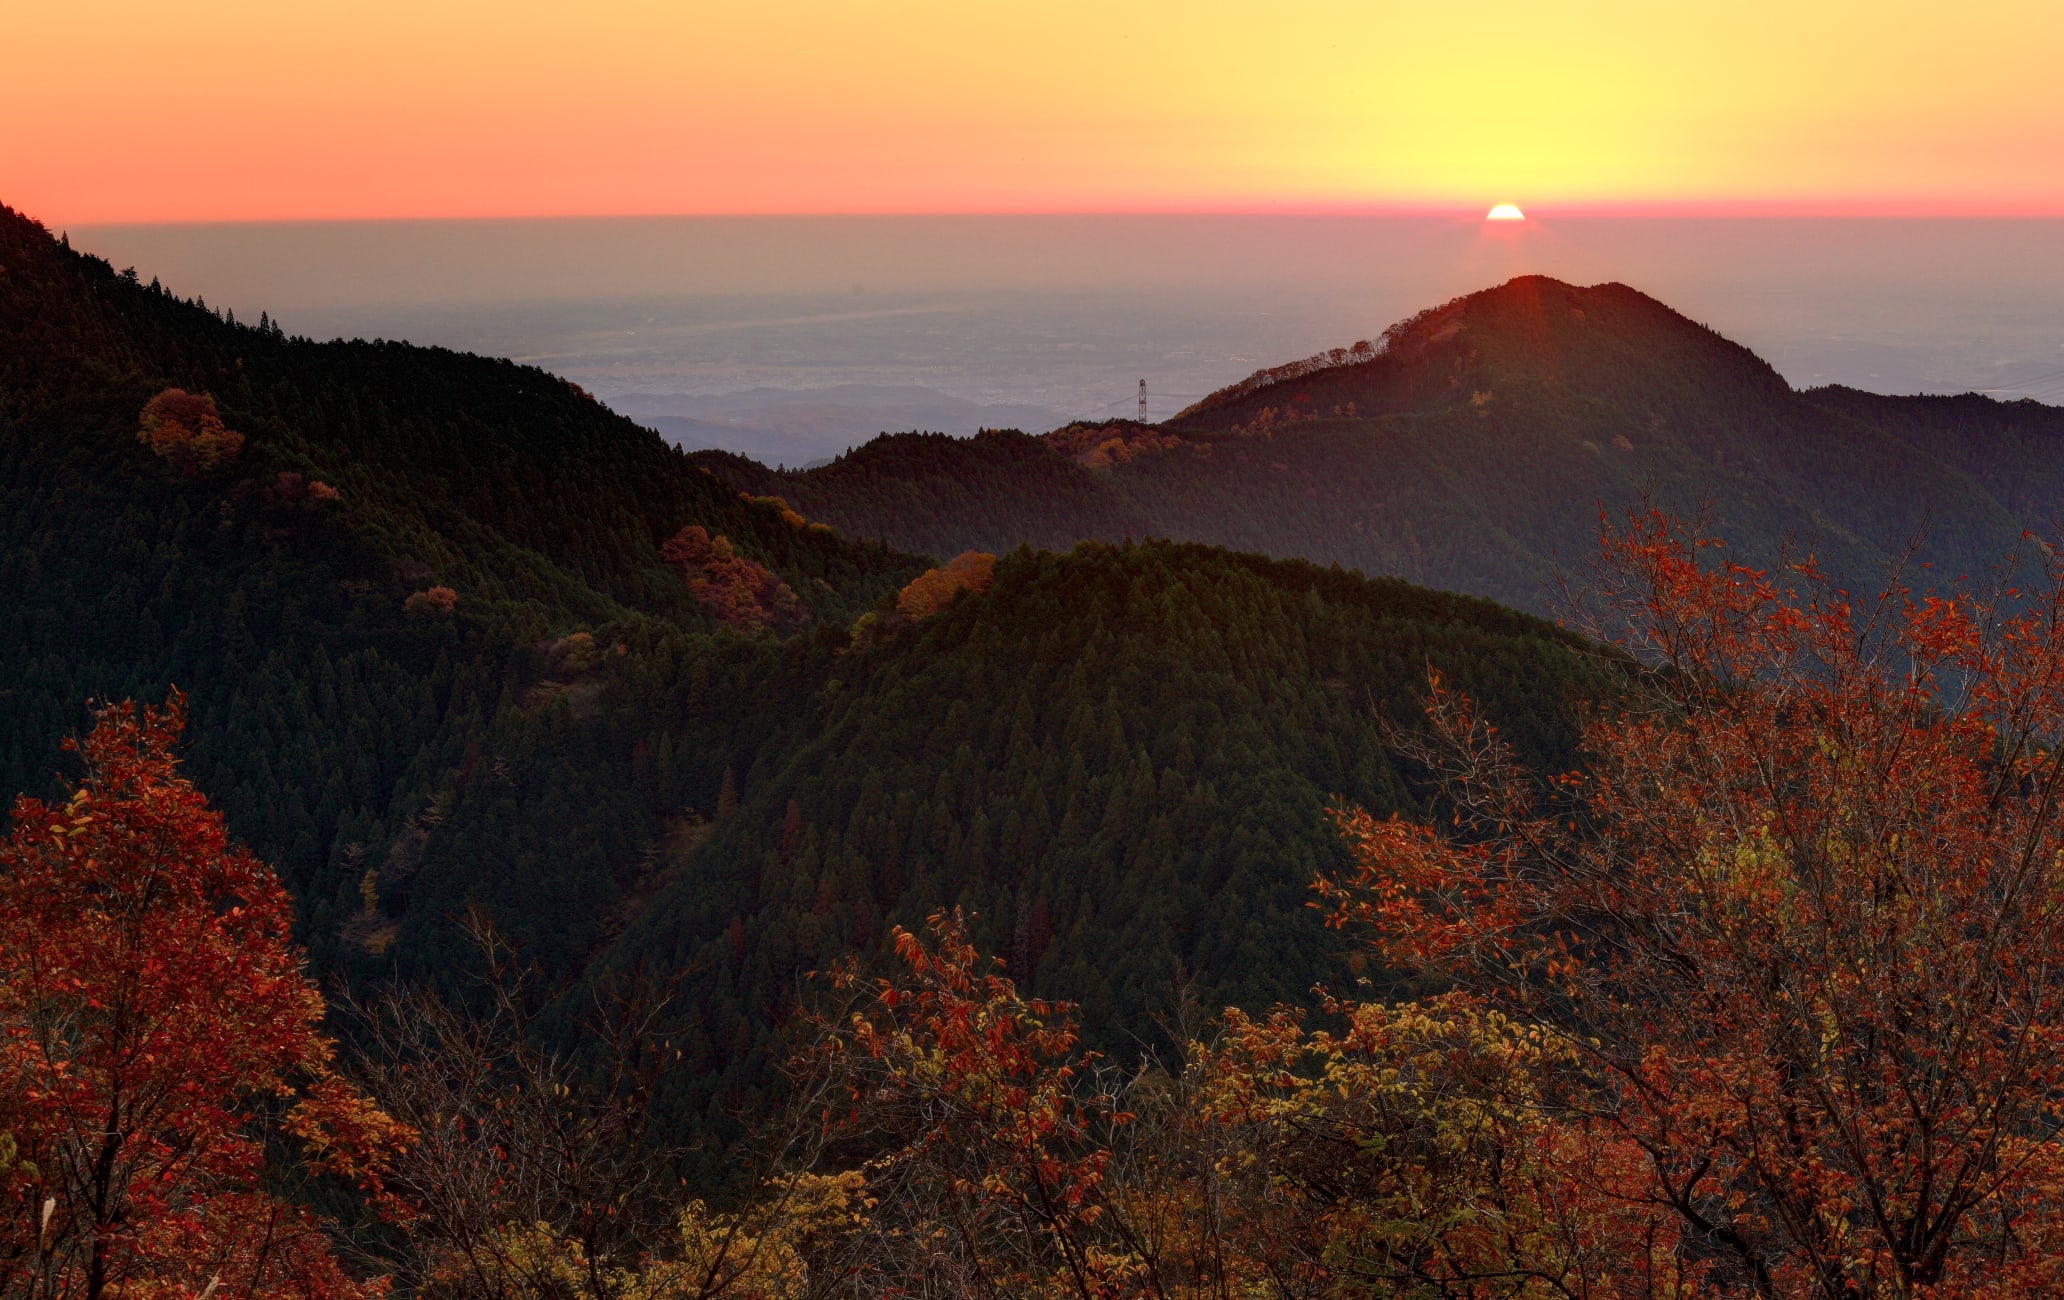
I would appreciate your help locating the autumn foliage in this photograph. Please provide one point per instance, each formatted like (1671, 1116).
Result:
(934, 589)
(1408, 1152)
(186, 432)
(432, 600)
(1405, 1152)
(993, 1152)
(789, 515)
(737, 591)
(1101, 446)
(1761, 1000)
(1798, 922)
(162, 1067)
(289, 488)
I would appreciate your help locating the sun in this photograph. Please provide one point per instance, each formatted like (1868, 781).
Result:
(1505, 212)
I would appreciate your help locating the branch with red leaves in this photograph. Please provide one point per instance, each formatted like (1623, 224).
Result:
(157, 1030)
(1800, 916)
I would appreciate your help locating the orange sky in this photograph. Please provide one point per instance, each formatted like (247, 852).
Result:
(121, 110)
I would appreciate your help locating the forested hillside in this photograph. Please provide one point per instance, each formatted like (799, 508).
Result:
(416, 563)
(1472, 447)
(1118, 758)
(455, 636)
(2011, 449)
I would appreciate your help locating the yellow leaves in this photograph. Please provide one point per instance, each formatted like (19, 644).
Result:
(72, 821)
(767, 1251)
(526, 1259)
(781, 507)
(1394, 1065)
(1437, 1151)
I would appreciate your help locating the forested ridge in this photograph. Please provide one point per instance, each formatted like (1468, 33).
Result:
(1472, 448)
(1117, 759)
(332, 703)
(450, 640)
(940, 495)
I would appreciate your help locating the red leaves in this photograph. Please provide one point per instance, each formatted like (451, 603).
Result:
(153, 1014)
(739, 592)
(973, 1094)
(1420, 898)
(1799, 910)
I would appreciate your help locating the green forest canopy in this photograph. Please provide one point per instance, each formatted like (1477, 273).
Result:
(1119, 757)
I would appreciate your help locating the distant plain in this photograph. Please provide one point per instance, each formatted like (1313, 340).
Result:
(791, 338)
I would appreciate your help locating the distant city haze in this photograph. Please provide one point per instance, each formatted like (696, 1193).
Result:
(790, 338)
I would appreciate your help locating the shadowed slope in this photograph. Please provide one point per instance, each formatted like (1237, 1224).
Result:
(1477, 443)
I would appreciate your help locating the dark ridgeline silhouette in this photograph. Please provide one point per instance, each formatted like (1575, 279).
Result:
(1474, 443)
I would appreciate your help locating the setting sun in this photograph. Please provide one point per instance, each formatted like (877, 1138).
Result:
(1505, 212)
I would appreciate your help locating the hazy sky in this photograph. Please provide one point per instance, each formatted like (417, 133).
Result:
(132, 111)
(1070, 312)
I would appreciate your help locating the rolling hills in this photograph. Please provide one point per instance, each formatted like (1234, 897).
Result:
(1472, 449)
(457, 637)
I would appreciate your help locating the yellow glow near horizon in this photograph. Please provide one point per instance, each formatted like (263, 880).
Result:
(1505, 212)
(126, 110)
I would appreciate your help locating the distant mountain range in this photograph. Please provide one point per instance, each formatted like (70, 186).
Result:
(800, 427)
(1472, 448)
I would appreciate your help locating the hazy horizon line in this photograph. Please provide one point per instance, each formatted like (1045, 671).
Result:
(1534, 212)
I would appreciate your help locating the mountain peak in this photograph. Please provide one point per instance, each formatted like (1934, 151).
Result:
(1533, 333)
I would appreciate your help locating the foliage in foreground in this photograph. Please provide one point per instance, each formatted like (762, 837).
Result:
(948, 1137)
(1761, 1001)
(162, 1070)
(1796, 919)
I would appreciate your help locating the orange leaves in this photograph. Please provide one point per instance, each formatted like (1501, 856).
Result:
(1942, 630)
(1114, 442)
(934, 589)
(435, 600)
(343, 1133)
(788, 514)
(186, 432)
(1418, 899)
(152, 1009)
(927, 594)
(1797, 909)
(739, 592)
(973, 1095)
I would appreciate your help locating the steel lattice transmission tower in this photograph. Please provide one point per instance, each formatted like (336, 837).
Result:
(1142, 401)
